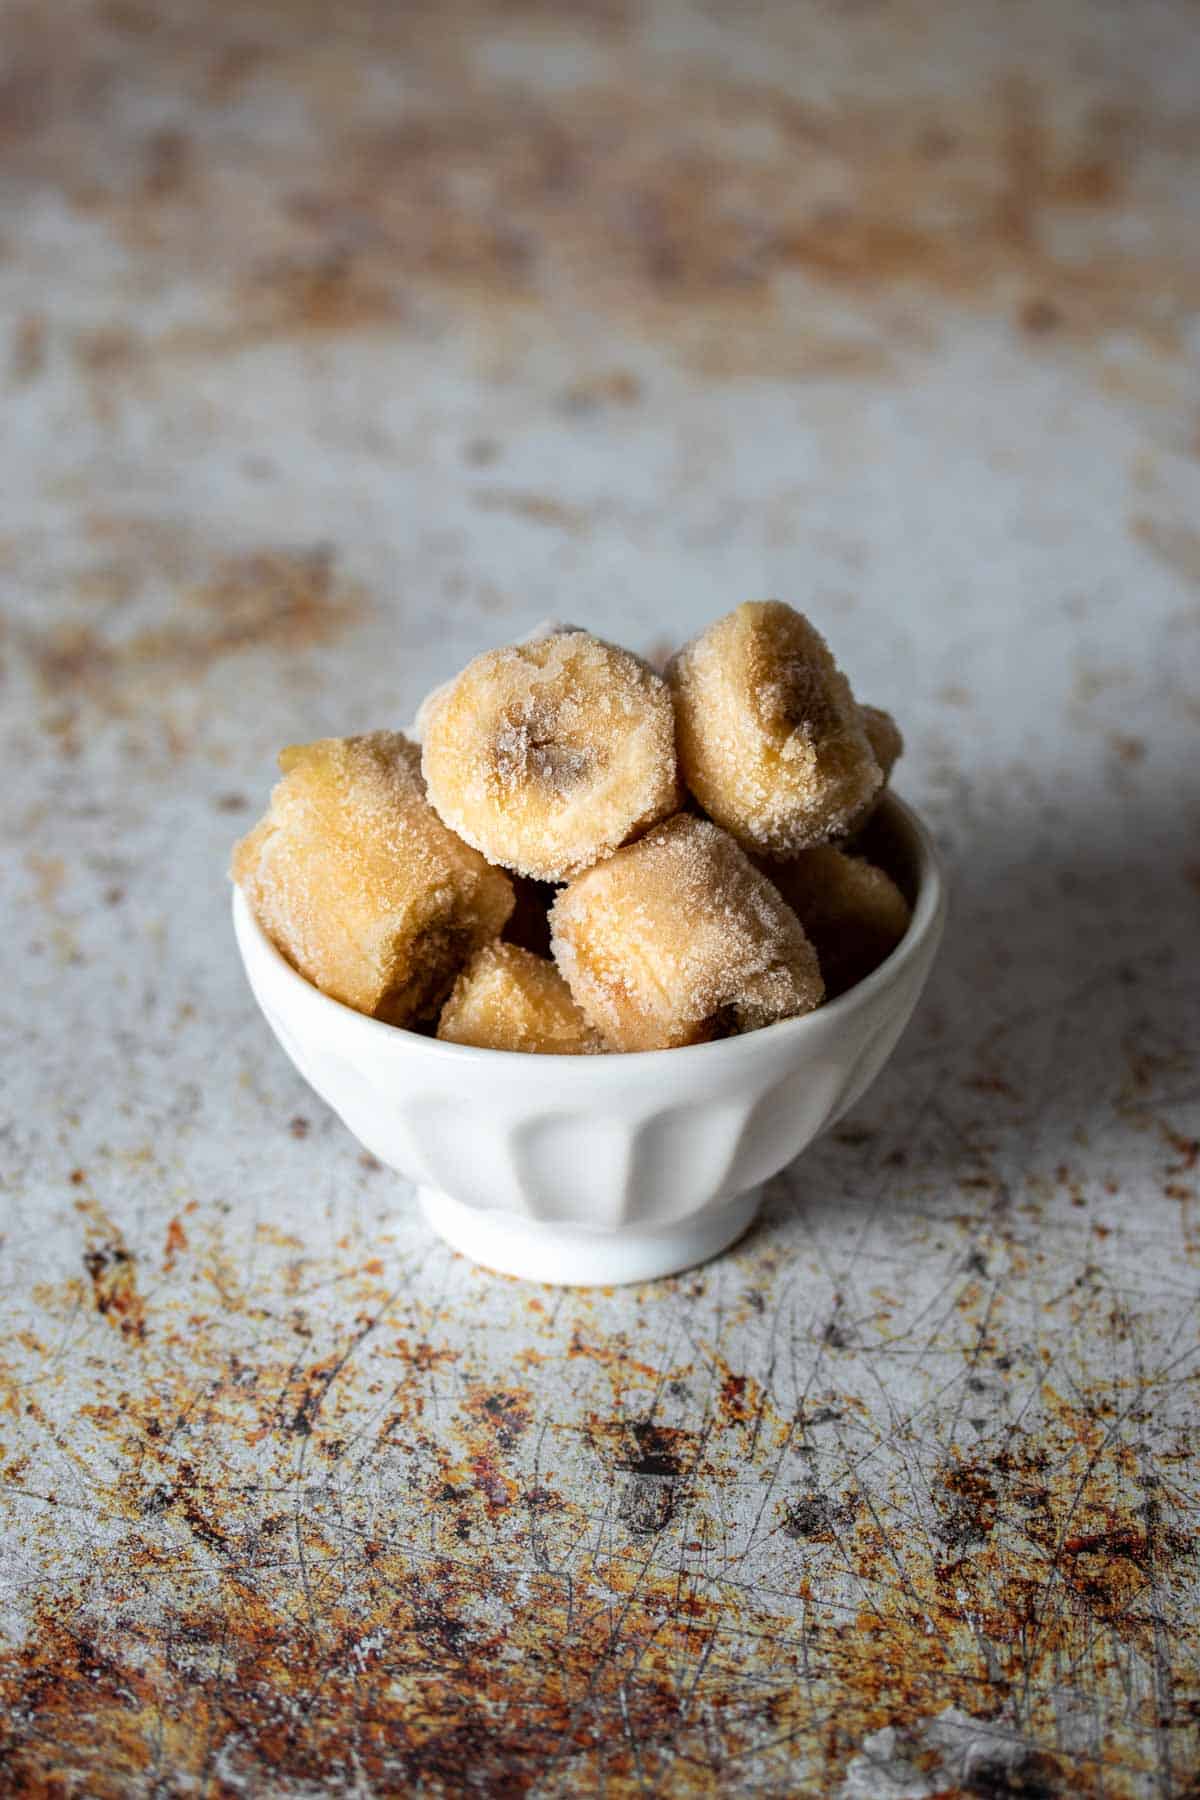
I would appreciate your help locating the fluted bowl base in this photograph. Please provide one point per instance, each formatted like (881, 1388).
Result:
(576, 1256)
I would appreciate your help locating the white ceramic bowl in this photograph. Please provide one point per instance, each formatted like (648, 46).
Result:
(587, 1170)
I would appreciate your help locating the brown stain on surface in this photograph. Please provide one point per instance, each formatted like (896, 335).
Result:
(49, 873)
(176, 1244)
(678, 200)
(112, 1270)
(515, 197)
(27, 358)
(362, 1645)
(282, 599)
(328, 290)
(1175, 545)
(167, 164)
(538, 509)
(272, 599)
(106, 350)
(610, 387)
(372, 1553)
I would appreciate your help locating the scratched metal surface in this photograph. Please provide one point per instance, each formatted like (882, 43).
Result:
(330, 358)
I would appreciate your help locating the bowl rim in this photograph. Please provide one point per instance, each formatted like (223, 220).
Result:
(927, 916)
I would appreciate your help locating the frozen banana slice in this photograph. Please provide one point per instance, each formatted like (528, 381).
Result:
(508, 999)
(771, 740)
(549, 754)
(360, 885)
(678, 939)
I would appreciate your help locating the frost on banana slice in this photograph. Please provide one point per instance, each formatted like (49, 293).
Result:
(771, 740)
(851, 909)
(508, 999)
(361, 886)
(678, 939)
(549, 754)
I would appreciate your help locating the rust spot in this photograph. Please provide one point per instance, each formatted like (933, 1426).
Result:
(672, 197)
(612, 387)
(112, 1270)
(286, 598)
(641, 1448)
(539, 509)
(329, 291)
(302, 1399)
(497, 1489)
(1109, 1568)
(28, 356)
(504, 1413)
(1093, 181)
(167, 165)
(49, 873)
(1187, 1148)
(739, 1396)
(1039, 316)
(992, 1084)
(1024, 153)
(299, 1126)
(234, 64)
(272, 599)
(966, 1503)
(194, 1500)
(107, 350)
(176, 1243)
(816, 1518)
(835, 1335)
(1175, 546)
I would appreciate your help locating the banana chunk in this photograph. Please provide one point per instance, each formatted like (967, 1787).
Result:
(549, 754)
(508, 999)
(850, 908)
(771, 740)
(360, 885)
(678, 939)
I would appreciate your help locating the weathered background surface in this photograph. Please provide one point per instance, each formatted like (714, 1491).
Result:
(332, 355)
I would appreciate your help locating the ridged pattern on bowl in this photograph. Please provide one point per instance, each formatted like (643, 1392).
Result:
(613, 1143)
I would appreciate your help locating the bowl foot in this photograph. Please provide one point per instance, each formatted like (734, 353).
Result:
(573, 1255)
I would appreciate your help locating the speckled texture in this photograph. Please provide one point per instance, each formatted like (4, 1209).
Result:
(548, 754)
(851, 910)
(508, 998)
(331, 359)
(678, 939)
(771, 740)
(356, 880)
